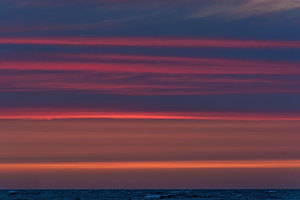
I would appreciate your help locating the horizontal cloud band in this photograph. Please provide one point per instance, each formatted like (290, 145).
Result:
(154, 165)
(153, 42)
(50, 114)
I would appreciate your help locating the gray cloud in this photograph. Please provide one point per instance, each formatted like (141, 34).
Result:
(244, 8)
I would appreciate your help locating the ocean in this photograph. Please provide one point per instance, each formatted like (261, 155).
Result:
(269, 194)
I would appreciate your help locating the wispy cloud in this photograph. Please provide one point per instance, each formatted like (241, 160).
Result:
(244, 8)
(188, 8)
(144, 74)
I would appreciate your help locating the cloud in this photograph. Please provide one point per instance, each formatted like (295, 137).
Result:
(244, 8)
(75, 113)
(144, 17)
(145, 75)
(187, 8)
(151, 42)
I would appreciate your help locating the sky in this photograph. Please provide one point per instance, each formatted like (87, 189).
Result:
(117, 94)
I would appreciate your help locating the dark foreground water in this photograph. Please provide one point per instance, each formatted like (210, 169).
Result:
(148, 194)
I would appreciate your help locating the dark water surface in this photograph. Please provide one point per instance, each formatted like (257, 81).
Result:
(148, 194)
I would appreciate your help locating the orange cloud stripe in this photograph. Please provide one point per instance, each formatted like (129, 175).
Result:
(156, 165)
(48, 114)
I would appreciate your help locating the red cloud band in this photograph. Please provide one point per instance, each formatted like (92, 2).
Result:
(153, 42)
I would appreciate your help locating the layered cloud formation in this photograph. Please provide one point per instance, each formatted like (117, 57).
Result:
(149, 93)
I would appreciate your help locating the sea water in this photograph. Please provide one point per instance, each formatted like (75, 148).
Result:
(149, 194)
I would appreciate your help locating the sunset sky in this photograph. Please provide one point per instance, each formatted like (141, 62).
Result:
(149, 94)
